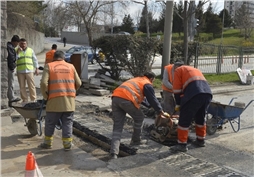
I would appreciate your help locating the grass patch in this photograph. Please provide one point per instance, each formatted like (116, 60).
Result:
(222, 78)
(211, 78)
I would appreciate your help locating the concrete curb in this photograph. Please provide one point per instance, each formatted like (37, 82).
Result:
(230, 88)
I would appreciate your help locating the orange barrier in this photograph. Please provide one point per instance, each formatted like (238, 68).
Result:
(32, 169)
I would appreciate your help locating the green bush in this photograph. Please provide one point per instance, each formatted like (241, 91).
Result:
(133, 54)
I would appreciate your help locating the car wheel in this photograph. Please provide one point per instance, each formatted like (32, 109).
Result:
(94, 61)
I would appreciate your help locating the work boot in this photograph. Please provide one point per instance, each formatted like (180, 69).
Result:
(137, 143)
(179, 148)
(15, 100)
(45, 146)
(199, 143)
(67, 143)
(113, 156)
(67, 148)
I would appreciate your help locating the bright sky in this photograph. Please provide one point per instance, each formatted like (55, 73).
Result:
(134, 8)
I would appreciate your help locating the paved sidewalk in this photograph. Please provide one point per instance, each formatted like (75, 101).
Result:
(16, 142)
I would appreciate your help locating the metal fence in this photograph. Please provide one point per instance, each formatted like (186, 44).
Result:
(222, 59)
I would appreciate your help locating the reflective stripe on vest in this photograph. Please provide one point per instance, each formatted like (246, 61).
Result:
(61, 79)
(170, 69)
(25, 60)
(132, 90)
(50, 56)
(184, 75)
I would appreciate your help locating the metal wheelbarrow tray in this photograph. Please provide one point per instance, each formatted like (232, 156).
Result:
(219, 114)
(34, 115)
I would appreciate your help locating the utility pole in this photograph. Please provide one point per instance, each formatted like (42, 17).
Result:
(185, 31)
(167, 35)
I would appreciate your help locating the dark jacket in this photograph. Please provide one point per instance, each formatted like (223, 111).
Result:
(11, 58)
(151, 98)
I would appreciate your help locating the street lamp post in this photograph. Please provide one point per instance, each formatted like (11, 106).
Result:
(222, 26)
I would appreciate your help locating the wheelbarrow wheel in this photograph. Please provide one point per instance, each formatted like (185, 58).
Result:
(211, 125)
(32, 127)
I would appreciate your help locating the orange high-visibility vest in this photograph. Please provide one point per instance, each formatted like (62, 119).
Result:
(49, 56)
(61, 79)
(170, 70)
(185, 75)
(132, 90)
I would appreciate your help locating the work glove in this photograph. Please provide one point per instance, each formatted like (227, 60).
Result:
(165, 114)
(177, 108)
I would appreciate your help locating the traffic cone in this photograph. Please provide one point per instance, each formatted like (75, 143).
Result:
(32, 169)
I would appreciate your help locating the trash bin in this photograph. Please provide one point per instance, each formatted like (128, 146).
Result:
(80, 62)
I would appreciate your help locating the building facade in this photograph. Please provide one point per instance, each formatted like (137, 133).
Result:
(233, 6)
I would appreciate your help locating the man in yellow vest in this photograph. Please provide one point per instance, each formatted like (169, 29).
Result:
(167, 87)
(27, 65)
(50, 54)
(127, 98)
(59, 83)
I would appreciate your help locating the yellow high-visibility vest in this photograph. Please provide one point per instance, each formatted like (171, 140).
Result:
(25, 60)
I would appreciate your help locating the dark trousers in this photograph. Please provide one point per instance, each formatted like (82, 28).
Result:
(119, 109)
(194, 109)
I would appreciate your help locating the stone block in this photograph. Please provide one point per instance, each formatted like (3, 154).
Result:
(99, 92)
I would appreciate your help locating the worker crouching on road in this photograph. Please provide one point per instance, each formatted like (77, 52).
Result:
(58, 86)
(127, 99)
(192, 95)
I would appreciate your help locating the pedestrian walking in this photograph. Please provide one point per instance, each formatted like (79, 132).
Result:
(193, 96)
(64, 41)
(50, 54)
(58, 86)
(11, 61)
(27, 65)
(167, 87)
(127, 98)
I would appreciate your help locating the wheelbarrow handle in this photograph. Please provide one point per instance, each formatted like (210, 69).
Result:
(248, 104)
(232, 100)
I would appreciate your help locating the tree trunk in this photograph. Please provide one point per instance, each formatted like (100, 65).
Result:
(4, 81)
(147, 20)
(89, 35)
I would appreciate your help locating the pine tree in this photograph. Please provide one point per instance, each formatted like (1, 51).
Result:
(127, 24)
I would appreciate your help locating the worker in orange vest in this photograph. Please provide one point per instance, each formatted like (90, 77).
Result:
(59, 83)
(127, 98)
(167, 87)
(50, 54)
(193, 96)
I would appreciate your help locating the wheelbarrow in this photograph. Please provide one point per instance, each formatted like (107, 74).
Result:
(219, 114)
(33, 116)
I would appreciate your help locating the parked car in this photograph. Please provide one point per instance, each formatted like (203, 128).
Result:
(123, 33)
(88, 49)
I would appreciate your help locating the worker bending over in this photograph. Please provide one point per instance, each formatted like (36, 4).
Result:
(192, 95)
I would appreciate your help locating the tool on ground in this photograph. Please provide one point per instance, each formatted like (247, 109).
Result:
(165, 127)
